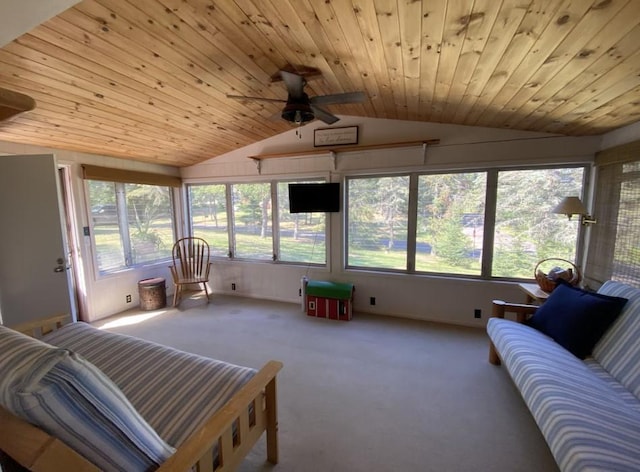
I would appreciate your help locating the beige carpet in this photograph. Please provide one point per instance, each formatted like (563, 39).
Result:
(372, 394)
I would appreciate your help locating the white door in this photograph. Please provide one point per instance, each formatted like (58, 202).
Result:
(34, 275)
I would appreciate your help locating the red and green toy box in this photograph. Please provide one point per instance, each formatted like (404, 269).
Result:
(329, 299)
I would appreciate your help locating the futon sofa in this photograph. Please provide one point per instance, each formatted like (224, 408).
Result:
(587, 409)
(88, 400)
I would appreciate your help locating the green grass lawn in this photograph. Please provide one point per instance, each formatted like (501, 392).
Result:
(397, 259)
(253, 246)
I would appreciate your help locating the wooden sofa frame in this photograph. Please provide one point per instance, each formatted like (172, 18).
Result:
(38, 451)
(499, 309)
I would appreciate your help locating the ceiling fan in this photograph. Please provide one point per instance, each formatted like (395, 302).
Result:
(300, 108)
(13, 103)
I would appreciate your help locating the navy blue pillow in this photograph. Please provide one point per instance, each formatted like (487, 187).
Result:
(576, 319)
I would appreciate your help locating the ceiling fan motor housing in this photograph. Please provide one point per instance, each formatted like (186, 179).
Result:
(298, 110)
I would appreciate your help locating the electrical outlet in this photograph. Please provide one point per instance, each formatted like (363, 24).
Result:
(477, 313)
(372, 300)
(128, 298)
(233, 286)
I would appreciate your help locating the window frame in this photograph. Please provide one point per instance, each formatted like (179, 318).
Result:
(124, 232)
(276, 224)
(345, 187)
(189, 213)
(580, 243)
(275, 219)
(491, 195)
(231, 212)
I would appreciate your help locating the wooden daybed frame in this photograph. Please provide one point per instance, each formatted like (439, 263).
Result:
(38, 451)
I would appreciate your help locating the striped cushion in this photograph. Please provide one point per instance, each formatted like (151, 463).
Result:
(586, 423)
(173, 390)
(23, 362)
(624, 394)
(619, 349)
(74, 401)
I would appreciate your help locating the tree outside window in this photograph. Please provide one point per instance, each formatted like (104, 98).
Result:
(209, 220)
(378, 216)
(526, 230)
(302, 235)
(132, 224)
(450, 223)
(252, 221)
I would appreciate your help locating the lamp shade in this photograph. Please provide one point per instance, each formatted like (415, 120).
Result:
(570, 206)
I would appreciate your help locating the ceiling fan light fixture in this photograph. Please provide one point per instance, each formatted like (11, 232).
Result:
(297, 112)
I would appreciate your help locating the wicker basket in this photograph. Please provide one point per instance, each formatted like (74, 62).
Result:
(548, 282)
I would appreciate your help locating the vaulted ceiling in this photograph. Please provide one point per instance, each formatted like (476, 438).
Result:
(149, 79)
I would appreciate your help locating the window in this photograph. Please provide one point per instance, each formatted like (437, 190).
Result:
(378, 215)
(441, 225)
(301, 235)
(209, 218)
(132, 224)
(252, 221)
(250, 229)
(525, 229)
(450, 222)
(492, 223)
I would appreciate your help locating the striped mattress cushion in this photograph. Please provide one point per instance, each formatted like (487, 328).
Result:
(587, 424)
(74, 401)
(618, 351)
(173, 390)
(624, 394)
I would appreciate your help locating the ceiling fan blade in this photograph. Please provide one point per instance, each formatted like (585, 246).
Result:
(324, 115)
(13, 103)
(244, 97)
(294, 82)
(338, 98)
(276, 117)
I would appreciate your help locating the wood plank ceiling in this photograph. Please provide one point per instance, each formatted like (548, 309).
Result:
(148, 79)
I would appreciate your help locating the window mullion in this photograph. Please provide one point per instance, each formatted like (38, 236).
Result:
(412, 223)
(489, 222)
(231, 219)
(275, 221)
(123, 223)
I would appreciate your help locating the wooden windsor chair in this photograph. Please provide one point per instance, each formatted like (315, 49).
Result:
(190, 265)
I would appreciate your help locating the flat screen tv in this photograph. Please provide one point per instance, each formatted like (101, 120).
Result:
(314, 198)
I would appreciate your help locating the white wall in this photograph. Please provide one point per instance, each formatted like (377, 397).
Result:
(621, 136)
(20, 16)
(460, 147)
(104, 295)
(451, 300)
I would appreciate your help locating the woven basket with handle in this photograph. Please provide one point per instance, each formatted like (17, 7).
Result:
(548, 282)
